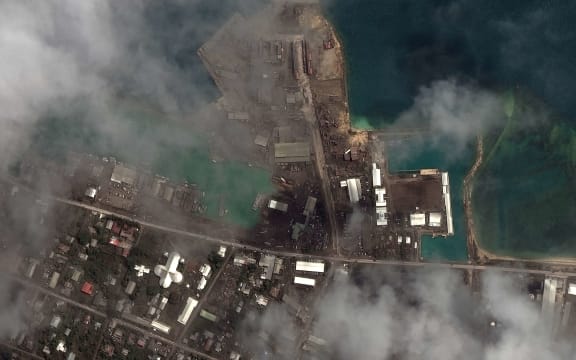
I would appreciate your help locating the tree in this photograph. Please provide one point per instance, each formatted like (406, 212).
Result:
(215, 260)
(152, 290)
(83, 237)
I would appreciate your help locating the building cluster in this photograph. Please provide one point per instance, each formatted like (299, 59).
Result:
(57, 330)
(380, 194)
(306, 272)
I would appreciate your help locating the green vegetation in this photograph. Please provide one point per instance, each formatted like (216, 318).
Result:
(215, 260)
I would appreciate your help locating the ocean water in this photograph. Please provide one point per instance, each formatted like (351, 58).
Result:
(167, 148)
(524, 195)
(175, 31)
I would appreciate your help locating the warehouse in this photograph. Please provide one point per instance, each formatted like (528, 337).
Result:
(160, 326)
(417, 219)
(187, 311)
(304, 281)
(292, 152)
(376, 176)
(310, 266)
(435, 219)
(124, 175)
(354, 190)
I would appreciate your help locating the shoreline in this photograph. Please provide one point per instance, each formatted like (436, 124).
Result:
(338, 45)
(478, 254)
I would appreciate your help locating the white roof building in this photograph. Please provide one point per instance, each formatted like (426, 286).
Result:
(447, 203)
(187, 311)
(262, 300)
(434, 219)
(61, 346)
(205, 270)
(380, 194)
(381, 219)
(376, 177)
(304, 281)
(310, 266)
(160, 326)
(168, 273)
(277, 205)
(417, 219)
(54, 279)
(222, 251)
(141, 269)
(91, 192)
(354, 189)
(202, 283)
(163, 303)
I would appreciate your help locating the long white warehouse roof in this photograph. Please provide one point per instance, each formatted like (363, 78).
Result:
(185, 315)
(160, 326)
(376, 178)
(354, 190)
(447, 203)
(310, 266)
(304, 281)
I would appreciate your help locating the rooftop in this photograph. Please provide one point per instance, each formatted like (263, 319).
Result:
(310, 266)
(187, 311)
(292, 152)
(124, 175)
(304, 281)
(87, 288)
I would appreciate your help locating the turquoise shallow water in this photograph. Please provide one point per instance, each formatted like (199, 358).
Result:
(524, 198)
(528, 209)
(170, 150)
(175, 31)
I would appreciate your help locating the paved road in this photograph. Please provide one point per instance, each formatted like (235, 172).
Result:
(309, 113)
(17, 349)
(91, 310)
(204, 298)
(232, 242)
(235, 243)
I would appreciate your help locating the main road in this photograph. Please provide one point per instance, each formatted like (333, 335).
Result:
(235, 243)
(174, 344)
(309, 113)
